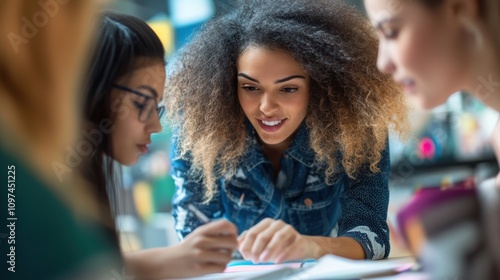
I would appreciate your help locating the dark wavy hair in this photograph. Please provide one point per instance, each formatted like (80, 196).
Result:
(351, 107)
(124, 44)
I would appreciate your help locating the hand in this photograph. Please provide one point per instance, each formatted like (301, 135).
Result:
(274, 240)
(208, 248)
(205, 250)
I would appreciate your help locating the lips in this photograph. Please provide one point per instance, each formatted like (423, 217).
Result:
(143, 148)
(408, 84)
(271, 125)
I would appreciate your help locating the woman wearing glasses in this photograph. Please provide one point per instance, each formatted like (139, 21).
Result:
(126, 82)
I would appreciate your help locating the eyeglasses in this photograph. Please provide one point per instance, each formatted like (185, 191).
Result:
(146, 108)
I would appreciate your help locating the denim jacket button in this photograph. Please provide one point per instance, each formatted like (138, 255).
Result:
(308, 202)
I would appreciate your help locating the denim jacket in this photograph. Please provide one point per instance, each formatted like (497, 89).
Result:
(298, 195)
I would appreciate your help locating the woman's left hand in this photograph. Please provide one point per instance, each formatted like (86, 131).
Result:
(275, 241)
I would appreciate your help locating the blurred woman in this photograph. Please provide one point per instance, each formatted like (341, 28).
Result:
(435, 48)
(54, 229)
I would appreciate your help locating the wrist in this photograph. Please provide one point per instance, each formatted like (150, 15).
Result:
(313, 249)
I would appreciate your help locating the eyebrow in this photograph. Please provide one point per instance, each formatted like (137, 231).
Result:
(152, 90)
(276, 82)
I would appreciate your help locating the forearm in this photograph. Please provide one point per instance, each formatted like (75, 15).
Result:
(341, 246)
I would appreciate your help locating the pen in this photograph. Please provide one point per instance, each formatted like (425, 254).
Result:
(239, 205)
(202, 217)
(236, 254)
(241, 199)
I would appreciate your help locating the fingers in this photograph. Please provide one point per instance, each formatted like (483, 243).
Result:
(221, 257)
(266, 240)
(283, 240)
(219, 243)
(218, 227)
(293, 251)
(247, 240)
(200, 240)
(206, 251)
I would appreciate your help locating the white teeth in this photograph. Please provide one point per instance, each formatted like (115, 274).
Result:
(271, 123)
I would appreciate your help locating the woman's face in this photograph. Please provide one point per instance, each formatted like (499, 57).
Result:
(423, 49)
(130, 135)
(273, 90)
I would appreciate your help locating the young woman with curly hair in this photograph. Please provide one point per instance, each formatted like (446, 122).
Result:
(282, 122)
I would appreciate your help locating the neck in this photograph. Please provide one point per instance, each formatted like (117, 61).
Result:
(274, 152)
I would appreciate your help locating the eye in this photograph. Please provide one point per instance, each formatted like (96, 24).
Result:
(289, 89)
(249, 88)
(391, 34)
(388, 32)
(139, 105)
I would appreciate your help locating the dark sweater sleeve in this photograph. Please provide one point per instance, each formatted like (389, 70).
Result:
(364, 205)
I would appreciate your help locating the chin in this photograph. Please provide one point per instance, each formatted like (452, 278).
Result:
(431, 104)
(128, 161)
(272, 141)
(426, 106)
(423, 103)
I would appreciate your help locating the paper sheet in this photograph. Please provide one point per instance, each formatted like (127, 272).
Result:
(333, 267)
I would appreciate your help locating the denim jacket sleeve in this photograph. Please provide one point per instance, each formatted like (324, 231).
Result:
(188, 190)
(365, 202)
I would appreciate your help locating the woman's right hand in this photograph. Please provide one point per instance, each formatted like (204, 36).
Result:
(207, 249)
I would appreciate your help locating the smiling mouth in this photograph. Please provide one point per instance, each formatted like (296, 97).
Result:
(271, 126)
(271, 123)
(408, 84)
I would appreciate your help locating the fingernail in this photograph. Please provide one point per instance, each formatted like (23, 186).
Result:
(263, 257)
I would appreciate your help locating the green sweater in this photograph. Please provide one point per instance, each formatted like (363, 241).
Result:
(41, 238)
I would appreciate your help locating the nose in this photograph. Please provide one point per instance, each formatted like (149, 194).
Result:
(267, 104)
(384, 61)
(154, 124)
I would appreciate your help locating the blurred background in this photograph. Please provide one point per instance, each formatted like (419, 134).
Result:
(449, 144)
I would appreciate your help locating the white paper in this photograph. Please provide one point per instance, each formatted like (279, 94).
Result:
(333, 267)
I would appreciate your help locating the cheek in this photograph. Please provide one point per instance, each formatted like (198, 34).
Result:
(124, 137)
(425, 50)
(407, 53)
(247, 104)
(411, 54)
(119, 136)
(299, 107)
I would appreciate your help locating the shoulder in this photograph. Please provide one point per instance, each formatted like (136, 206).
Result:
(48, 224)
